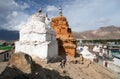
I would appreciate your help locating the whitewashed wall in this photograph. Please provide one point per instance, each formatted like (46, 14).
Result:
(37, 38)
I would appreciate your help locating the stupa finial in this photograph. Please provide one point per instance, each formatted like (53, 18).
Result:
(60, 10)
(40, 11)
(46, 14)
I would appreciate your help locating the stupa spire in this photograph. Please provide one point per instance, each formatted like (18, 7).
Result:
(46, 14)
(40, 10)
(60, 10)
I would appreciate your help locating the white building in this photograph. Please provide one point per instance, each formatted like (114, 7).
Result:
(37, 38)
(86, 54)
(96, 49)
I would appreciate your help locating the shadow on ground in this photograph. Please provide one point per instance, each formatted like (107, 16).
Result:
(37, 73)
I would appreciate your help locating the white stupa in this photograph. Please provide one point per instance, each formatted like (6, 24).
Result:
(37, 38)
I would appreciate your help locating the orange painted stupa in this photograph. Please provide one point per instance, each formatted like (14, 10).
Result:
(66, 42)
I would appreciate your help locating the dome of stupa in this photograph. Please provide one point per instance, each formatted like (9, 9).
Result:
(37, 17)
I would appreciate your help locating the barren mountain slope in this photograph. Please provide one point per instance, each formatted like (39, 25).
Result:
(110, 32)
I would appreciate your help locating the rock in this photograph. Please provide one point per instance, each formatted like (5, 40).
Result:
(13, 73)
(19, 67)
(21, 61)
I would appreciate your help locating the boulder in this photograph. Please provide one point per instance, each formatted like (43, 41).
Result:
(21, 61)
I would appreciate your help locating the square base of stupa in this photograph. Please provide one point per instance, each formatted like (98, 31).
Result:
(43, 50)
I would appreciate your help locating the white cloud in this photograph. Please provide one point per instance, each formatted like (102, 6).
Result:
(15, 14)
(14, 20)
(91, 14)
(52, 11)
(12, 14)
(24, 6)
(51, 8)
(103, 20)
(81, 14)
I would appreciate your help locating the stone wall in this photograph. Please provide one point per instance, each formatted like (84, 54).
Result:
(66, 42)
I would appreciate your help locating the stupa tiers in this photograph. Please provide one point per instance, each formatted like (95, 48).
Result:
(66, 42)
(37, 38)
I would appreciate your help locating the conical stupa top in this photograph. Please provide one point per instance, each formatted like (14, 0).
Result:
(46, 14)
(40, 11)
(60, 10)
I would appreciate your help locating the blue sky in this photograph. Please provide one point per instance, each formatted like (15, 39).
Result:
(82, 15)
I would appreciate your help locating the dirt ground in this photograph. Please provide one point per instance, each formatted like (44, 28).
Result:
(87, 70)
(73, 69)
(2, 66)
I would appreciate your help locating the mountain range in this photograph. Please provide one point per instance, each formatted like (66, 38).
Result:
(109, 32)
(9, 35)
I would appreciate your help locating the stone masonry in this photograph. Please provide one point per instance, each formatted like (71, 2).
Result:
(66, 42)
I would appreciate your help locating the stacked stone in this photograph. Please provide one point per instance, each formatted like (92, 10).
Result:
(66, 42)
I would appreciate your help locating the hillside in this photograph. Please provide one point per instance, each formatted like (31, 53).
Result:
(109, 32)
(43, 70)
